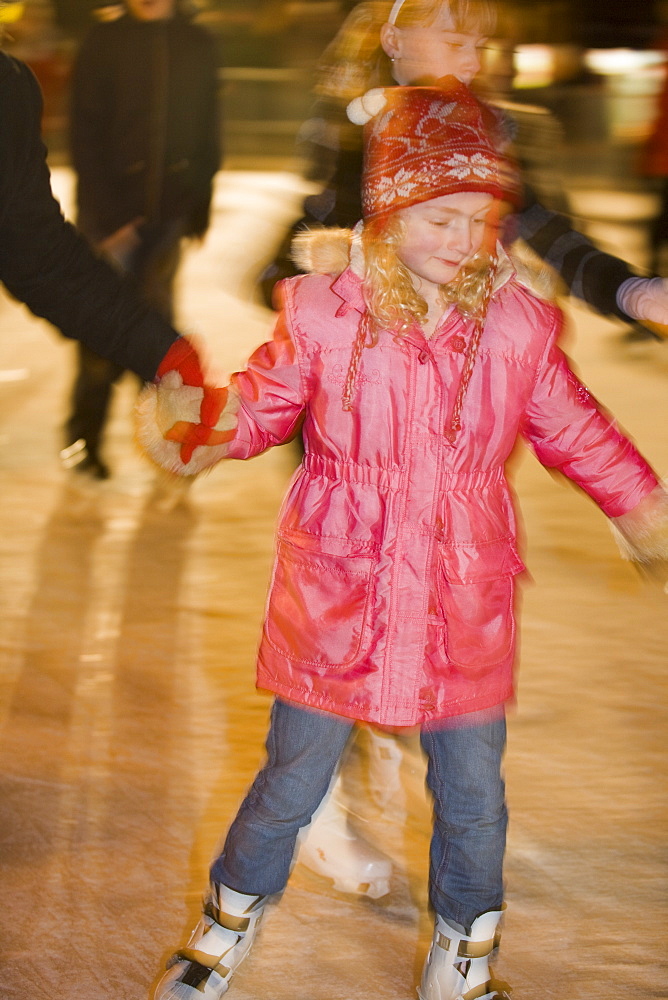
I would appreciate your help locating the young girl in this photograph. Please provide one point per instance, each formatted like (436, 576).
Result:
(414, 370)
(404, 42)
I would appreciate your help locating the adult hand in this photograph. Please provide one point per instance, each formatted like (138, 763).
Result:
(123, 242)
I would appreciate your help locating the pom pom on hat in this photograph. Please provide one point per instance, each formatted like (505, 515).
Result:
(362, 109)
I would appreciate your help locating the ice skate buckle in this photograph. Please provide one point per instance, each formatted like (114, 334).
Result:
(200, 967)
(238, 925)
(466, 949)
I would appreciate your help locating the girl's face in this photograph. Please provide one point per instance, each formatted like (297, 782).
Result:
(441, 235)
(421, 53)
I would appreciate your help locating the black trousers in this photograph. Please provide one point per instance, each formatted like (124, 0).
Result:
(153, 265)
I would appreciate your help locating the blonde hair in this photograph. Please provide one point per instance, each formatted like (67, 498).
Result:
(355, 60)
(471, 16)
(391, 299)
(392, 303)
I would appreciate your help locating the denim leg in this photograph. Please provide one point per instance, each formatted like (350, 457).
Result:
(470, 819)
(303, 750)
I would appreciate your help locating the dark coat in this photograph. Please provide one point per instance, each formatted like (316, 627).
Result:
(145, 140)
(44, 262)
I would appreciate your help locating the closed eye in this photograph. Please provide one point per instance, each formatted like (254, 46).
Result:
(464, 42)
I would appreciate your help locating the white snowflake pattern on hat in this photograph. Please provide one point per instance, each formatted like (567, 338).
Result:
(401, 185)
(437, 113)
(477, 165)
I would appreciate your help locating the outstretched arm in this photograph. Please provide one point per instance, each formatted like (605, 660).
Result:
(604, 282)
(571, 432)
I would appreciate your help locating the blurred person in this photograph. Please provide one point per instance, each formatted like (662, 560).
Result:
(47, 265)
(145, 147)
(413, 41)
(392, 599)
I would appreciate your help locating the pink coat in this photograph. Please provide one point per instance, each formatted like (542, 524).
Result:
(392, 594)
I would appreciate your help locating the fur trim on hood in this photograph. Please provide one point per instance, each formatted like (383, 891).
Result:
(331, 251)
(322, 251)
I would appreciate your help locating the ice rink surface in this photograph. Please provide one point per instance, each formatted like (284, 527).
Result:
(130, 725)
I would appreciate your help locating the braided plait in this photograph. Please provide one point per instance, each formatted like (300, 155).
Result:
(474, 343)
(355, 361)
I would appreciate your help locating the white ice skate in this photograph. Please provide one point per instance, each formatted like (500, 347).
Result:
(457, 966)
(332, 849)
(384, 757)
(218, 945)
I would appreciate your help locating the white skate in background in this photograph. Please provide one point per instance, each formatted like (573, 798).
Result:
(384, 758)
(332, 849)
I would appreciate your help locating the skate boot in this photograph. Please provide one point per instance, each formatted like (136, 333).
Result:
(218, 945)
(385, 754)
(457, 966)
(331, 849)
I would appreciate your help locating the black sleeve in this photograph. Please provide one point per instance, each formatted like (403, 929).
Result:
(589, 273)
(339, 204)
(346, 190)
(45, 263)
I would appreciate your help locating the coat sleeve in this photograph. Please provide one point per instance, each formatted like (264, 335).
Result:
(569, 431)
(43, 260)
(271, 395)
(589, 273)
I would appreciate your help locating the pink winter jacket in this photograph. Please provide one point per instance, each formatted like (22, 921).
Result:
(392, 594)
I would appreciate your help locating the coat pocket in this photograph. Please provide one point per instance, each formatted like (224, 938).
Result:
(318, 600)
(479, 623)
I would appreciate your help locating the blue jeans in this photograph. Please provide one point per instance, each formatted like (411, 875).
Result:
(303, 751)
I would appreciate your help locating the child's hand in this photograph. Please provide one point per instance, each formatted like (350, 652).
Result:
(191, 435)
(183, 358)
(642, 535)
(185, 428)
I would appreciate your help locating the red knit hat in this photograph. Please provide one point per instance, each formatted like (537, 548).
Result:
(424, 142)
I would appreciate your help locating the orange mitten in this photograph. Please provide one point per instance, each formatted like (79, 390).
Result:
(183, 358)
